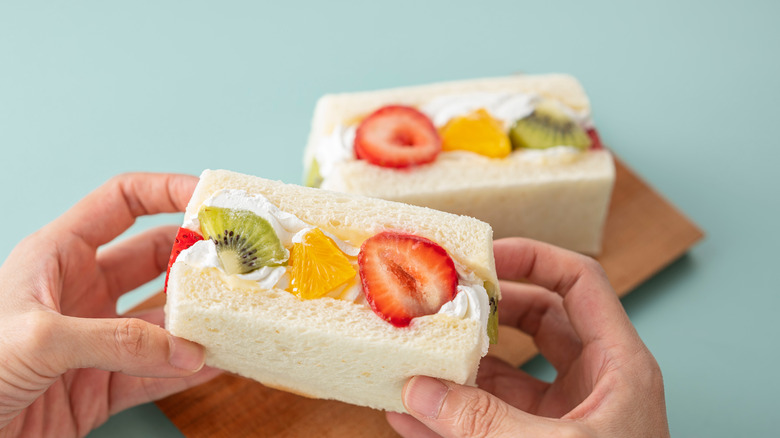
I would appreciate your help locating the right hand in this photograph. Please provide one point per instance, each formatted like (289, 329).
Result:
(608, 383)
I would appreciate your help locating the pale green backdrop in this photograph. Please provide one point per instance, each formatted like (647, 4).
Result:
(686, 92)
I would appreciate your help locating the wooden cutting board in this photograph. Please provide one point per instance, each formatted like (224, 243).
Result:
(643, 234)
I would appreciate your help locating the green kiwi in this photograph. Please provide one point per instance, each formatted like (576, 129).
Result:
(313, 177)
(245, 241)
(546, 127)
(492, 325)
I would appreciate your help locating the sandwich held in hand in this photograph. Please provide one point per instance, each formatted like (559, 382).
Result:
(520, 153)
(330, 295)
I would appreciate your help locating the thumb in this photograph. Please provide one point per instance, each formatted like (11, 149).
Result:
(129, 345)
(454, 411)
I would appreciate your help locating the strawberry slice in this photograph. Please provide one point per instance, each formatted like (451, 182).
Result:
(184, 239)
(397, 136)
(595, 140)
(405, 276)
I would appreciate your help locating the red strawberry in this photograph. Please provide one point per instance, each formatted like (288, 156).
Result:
(184, 239)
(595, 140)
(405, 276)
(397, 136)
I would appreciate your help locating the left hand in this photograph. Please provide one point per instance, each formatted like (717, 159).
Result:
(67, 360)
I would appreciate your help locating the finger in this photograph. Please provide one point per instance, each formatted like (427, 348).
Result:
(455, 411)
(128, 345)
(137, 260)
(593, 307)
(540, 313)
(108, 211)
(514, 386)
(128, 391)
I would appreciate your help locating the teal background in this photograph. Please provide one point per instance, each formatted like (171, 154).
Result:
(685, 92)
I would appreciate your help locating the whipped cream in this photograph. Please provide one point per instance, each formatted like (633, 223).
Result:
(506, 107)
(471, 300)
(334, 148)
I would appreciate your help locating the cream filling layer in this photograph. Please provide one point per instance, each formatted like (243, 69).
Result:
(338, 146)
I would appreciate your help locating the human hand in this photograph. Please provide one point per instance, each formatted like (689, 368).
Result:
(608, 384)
(67, 361)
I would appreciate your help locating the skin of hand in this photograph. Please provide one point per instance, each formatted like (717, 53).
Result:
(67, 360)
(608, 383)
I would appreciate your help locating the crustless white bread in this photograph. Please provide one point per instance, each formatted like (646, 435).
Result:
(329, 348)
(562, 199)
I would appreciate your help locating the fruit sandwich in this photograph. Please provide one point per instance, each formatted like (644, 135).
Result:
(520, 153)
(330, 295)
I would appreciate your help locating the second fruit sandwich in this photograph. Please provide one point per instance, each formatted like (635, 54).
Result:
(519, 152)
(330, 295)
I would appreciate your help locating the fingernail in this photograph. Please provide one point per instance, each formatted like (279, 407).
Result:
(424, 396)
(185, 354)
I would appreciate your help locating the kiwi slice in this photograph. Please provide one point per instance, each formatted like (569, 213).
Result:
(245, 241)
(546, 127)
(492, 325)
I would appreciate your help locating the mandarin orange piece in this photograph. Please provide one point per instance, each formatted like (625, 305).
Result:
(476, 132)
(318, 266)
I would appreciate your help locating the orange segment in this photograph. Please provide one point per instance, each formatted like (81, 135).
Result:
(318, 266)
(477, 132)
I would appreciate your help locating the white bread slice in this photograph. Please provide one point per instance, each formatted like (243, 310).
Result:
(561, 200)
(329, 348)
